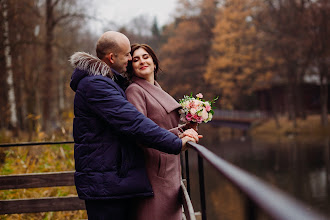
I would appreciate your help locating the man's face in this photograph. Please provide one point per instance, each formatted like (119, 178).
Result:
(122, 57)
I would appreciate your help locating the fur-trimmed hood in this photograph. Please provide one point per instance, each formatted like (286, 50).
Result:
(87, 65)
(93, 65)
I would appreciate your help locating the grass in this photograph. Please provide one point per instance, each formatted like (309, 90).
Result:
(308, 130)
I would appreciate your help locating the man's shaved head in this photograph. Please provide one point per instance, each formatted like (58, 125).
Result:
(114, 49)
(110, 42)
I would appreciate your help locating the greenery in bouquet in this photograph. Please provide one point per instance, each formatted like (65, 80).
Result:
(196, 109)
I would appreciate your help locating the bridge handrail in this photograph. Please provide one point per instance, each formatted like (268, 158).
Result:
(274, 202)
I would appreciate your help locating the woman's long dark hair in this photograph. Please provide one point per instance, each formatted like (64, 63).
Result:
(150, 51)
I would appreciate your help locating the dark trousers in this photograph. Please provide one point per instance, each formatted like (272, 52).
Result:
(116, 209)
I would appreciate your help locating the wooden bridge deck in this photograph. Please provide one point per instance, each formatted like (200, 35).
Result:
(237, 119)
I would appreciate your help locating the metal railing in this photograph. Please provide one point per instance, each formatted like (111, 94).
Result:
(259, 195)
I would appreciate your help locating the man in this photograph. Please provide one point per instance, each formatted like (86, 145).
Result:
(110, 170)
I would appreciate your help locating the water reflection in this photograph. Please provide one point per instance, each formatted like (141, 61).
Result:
(298, 168)
(318, 183)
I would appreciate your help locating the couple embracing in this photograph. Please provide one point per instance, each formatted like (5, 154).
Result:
(127, 146)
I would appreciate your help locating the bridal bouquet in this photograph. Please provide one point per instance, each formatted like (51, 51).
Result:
(196, 109)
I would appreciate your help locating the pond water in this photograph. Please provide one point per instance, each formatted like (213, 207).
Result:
(297, 168)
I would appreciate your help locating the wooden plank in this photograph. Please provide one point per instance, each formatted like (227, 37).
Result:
(36, 180)
(35, 144)
(187, 205)
(18, 206)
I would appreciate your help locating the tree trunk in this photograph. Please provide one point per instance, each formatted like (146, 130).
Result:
(299, 96)
(22, 94)
(9, 69)
(61, 89)
(274, 108)
(324, 95)
(291, 98)
(324, 64)
(47, 79)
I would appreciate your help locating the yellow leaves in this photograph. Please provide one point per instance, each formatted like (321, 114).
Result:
(184, 56)
(33, 116)
(41, 135)
(184, 38)
(236, 62)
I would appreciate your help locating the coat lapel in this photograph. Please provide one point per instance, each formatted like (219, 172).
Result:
(162, 97)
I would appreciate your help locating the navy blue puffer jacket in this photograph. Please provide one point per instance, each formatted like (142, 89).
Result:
(109, 164)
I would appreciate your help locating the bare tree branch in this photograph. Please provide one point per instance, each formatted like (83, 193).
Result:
(66, 16)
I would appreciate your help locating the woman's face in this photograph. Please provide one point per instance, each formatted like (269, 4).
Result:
(143, 64)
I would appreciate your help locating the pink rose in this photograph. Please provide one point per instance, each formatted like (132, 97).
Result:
(208, 108)
(189, 117)
(199, 120)
(199, 95)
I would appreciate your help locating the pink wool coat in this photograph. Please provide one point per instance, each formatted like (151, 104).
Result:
(164, 171)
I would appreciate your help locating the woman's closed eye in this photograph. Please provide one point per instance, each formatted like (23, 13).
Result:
(144, 57)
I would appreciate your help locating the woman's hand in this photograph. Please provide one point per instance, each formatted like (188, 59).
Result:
(184, 142)
(189, 135)
(193, 134)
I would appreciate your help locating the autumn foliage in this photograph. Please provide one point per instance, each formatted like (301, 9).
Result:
(225, 48)
(243, 46)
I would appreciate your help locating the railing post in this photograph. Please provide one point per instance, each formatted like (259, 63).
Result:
(202, 186)
(187, 171)
(250, 209)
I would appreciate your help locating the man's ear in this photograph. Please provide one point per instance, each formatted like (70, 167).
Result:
(110, 57)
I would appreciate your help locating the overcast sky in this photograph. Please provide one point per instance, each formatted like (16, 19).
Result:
(122, 11)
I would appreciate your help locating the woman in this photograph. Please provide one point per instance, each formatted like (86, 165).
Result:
(164, 171)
